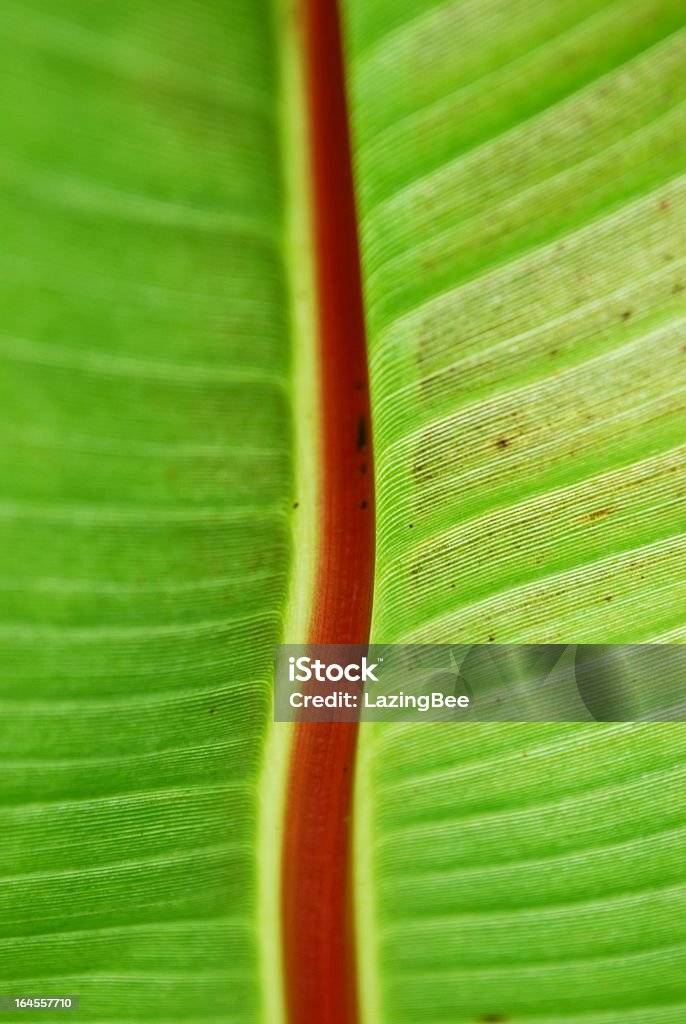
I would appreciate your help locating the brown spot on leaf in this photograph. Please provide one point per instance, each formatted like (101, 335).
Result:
(626, 314)
(502, 442)
(361, 433)
(598, 513)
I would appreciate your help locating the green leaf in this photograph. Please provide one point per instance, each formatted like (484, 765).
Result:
(521, 193)
(147, 462)
(519, 174)
(525, 282)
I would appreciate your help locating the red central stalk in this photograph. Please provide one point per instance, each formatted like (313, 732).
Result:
(317, 904)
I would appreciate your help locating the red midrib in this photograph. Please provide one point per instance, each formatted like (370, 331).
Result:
(319, 953)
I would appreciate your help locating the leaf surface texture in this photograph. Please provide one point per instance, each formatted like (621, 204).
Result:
(521, 190)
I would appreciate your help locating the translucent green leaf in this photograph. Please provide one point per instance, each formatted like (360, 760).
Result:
(145, 396)
(522, 199)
